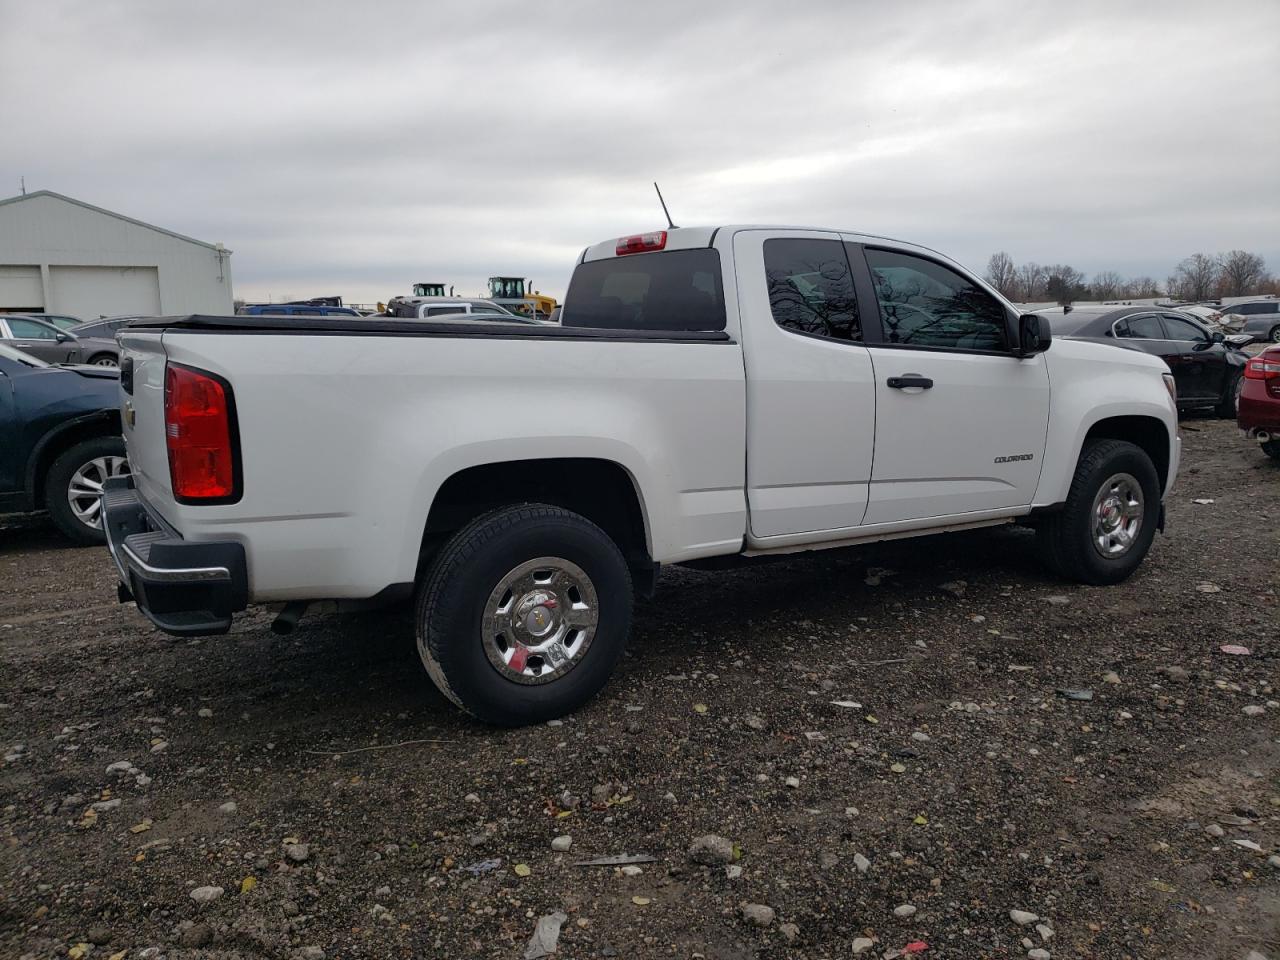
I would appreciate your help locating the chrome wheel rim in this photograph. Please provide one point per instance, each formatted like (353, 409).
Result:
(1117, 515)
(84, 492)
(540, 620)
(106, 362)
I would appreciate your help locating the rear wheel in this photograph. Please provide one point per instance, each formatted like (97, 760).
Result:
(74, 483)
(524, 614)
(104, 360)
(1274, 335)
(1106, 527)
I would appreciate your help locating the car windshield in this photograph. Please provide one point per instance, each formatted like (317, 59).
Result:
(9, 353)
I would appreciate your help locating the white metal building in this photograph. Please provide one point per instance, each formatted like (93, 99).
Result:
(60, 255)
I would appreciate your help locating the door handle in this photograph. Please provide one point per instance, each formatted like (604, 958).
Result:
(909, 380)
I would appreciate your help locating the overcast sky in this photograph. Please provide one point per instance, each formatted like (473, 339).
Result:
(357, 147)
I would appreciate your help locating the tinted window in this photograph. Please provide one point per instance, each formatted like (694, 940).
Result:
(1145, 326)
(811, 288)
(31, 330)
(1180, 328)
(923, 303)
(674, 290)
(95, 330)
(441, 311)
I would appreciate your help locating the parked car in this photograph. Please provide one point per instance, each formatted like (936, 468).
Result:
(430, 308)
(61, 321)
(1261, 318)
(296, 310)
(709, 393)
(1207, 369)
(103, 329)
(59, 440)
(1259, 413)
(47, 342)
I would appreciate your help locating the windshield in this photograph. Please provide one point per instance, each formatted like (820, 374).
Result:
(9, 353)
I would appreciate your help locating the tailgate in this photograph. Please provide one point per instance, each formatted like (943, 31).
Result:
(142, 367)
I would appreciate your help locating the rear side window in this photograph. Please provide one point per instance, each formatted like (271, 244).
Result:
(674, 290)
(924, 304)
(811, 288)
(1145, 326)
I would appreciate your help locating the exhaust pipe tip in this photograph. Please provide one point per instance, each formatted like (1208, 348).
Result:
(286, 620)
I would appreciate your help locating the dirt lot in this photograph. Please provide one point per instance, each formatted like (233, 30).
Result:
(814, 712)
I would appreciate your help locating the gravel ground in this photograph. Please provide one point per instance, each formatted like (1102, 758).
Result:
(879, 735)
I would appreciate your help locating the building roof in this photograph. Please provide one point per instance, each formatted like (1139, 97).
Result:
(109, 213)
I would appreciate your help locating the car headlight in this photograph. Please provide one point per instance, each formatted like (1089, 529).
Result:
(1171, 386)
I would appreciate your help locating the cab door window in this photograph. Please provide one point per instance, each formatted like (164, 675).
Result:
(811, 288)
(925, 304)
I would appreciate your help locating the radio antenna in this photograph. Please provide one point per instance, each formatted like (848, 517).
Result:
(670, 223)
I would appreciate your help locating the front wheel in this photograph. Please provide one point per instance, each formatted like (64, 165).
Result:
(1230, 403)
(74, 484)
(524, 614)
(1274, 336)
(104, 360)
(1105, 529)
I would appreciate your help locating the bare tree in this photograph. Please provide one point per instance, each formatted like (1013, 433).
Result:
(1001, 273)
(1140, 288)
(1107, 285)
(1031, 281)
(1065, 283)
(1195, 278)
(1242, 273)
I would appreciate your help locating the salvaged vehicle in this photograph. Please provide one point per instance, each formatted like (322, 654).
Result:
(59, 441)
(709, 393)
(1259, 318)
(1208, 368)
(1259, 413)
(46, 342)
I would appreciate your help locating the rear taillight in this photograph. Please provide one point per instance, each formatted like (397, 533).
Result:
(199, 423)
(641, 243)
(1263, 368)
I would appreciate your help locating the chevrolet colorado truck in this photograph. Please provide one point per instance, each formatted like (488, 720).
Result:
(709, 393)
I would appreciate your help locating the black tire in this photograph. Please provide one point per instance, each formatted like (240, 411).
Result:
(1231, 399)
(1274, 335)
(58, 481)
(1066, 537)
(104, 360)
(1271, 448)
(452, 601)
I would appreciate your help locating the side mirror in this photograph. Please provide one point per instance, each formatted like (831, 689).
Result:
(1218, 337)
(1033, 335)
(65, 338)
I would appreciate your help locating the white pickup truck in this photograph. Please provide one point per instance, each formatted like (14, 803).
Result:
(741, 390)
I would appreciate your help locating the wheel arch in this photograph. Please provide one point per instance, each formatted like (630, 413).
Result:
(1145, 432)
(604, 491)
(62, 438)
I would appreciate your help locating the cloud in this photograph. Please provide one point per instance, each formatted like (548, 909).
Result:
(357, 148)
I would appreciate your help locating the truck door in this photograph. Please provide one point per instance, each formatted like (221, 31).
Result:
(810, 389)
(961, 422)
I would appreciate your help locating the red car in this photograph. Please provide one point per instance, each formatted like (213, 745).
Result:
(1258, 412)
